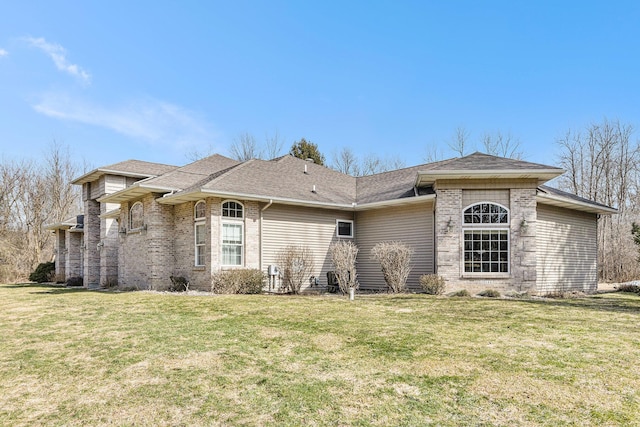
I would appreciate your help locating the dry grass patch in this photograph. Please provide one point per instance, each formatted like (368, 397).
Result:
(75, 357)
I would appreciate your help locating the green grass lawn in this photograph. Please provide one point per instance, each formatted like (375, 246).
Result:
(77, 357)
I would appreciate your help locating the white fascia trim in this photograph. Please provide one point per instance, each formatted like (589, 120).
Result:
(59, 225)
(394, 202)
(193, 195)
(99, 172)
(583, 206)
(196, 195)
(140, 186)
(114, 213)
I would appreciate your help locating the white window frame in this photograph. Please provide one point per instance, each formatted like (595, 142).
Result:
(236, 221)
(199, 248)
(131, 227)
(486, 227)
(341, 236)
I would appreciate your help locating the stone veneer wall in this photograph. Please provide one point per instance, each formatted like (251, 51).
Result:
(61, 252)
(449, 243)
(74, 254)
(108, 247)
(91, 240)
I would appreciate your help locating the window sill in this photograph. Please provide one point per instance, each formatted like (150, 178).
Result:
(199, 268)
(486, 276)
(136, 230)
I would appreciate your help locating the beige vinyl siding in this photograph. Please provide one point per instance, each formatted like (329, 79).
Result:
(284, 225)
(114, 183)
(470, 197)
(97, 188)
(566, 250)
(412, 224)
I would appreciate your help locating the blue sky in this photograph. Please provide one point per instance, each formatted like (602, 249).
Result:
(156, 80)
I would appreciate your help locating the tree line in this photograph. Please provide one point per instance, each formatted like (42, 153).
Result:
(602, 163)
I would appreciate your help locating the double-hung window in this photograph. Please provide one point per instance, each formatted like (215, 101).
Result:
(232, 233)
(486, 238)
(199, 228)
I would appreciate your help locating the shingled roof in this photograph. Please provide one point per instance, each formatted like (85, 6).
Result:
(133, 168)
(291, 180)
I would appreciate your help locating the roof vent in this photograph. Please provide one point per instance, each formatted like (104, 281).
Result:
(314, 189)
(309, 159)
(305, 169)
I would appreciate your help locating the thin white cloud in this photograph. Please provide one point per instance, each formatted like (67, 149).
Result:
(3, 53)
(58, 55)
(149, 120)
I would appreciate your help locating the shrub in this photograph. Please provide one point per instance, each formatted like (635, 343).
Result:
(296, 265)
(490, 293)
(628, 287)
(343, 254)
(238, 281)
(75, 281)
(178, 284)
(44, 272)
(461, 293)
(395, 262)
(432, 284)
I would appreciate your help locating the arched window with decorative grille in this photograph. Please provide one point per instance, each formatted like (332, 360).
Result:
(486, 238)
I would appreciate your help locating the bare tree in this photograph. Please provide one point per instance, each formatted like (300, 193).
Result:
(503, 145)
(197, 154)
(460, 141)
(602, 164)
(273, 145)
(346, 162)
(433, 154)
(372, 164)
(245, 147)
(34, 194)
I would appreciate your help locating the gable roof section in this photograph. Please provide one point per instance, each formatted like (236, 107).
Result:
(286, 179)
(132, 168)
(485, 166)
(552, 196)
(174, 180)
(387, 186)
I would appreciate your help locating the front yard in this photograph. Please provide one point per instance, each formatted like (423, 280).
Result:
(77, 357)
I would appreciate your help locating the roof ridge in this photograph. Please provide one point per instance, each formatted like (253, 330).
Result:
(214, 176)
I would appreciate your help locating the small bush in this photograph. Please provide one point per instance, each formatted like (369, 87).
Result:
(461, 293)
(395, 262)
(628, 287)
(490, 293)
(240, 281)
(432, 284)
(178, 284)
(75, 281)
(44, 272)
(343, 255)
(296, 266)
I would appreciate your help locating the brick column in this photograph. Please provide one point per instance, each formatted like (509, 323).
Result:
(61, 252)
(448, 250)
(109, 247)
(523, 239)
(91, 240)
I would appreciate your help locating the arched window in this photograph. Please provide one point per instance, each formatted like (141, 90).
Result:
(486, 238)
(232, 233)
(199, 211)
(199, 232)
(486, 213)
(136, 216)
(232, 210)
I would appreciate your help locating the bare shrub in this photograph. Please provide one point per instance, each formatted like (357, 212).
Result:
(296, 265)
(178, 284)
(432, 284)
(343, 255)
(395, 262)
(238, 281)
(490, 293)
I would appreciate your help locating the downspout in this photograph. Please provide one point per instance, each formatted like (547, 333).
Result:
(264, 208)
